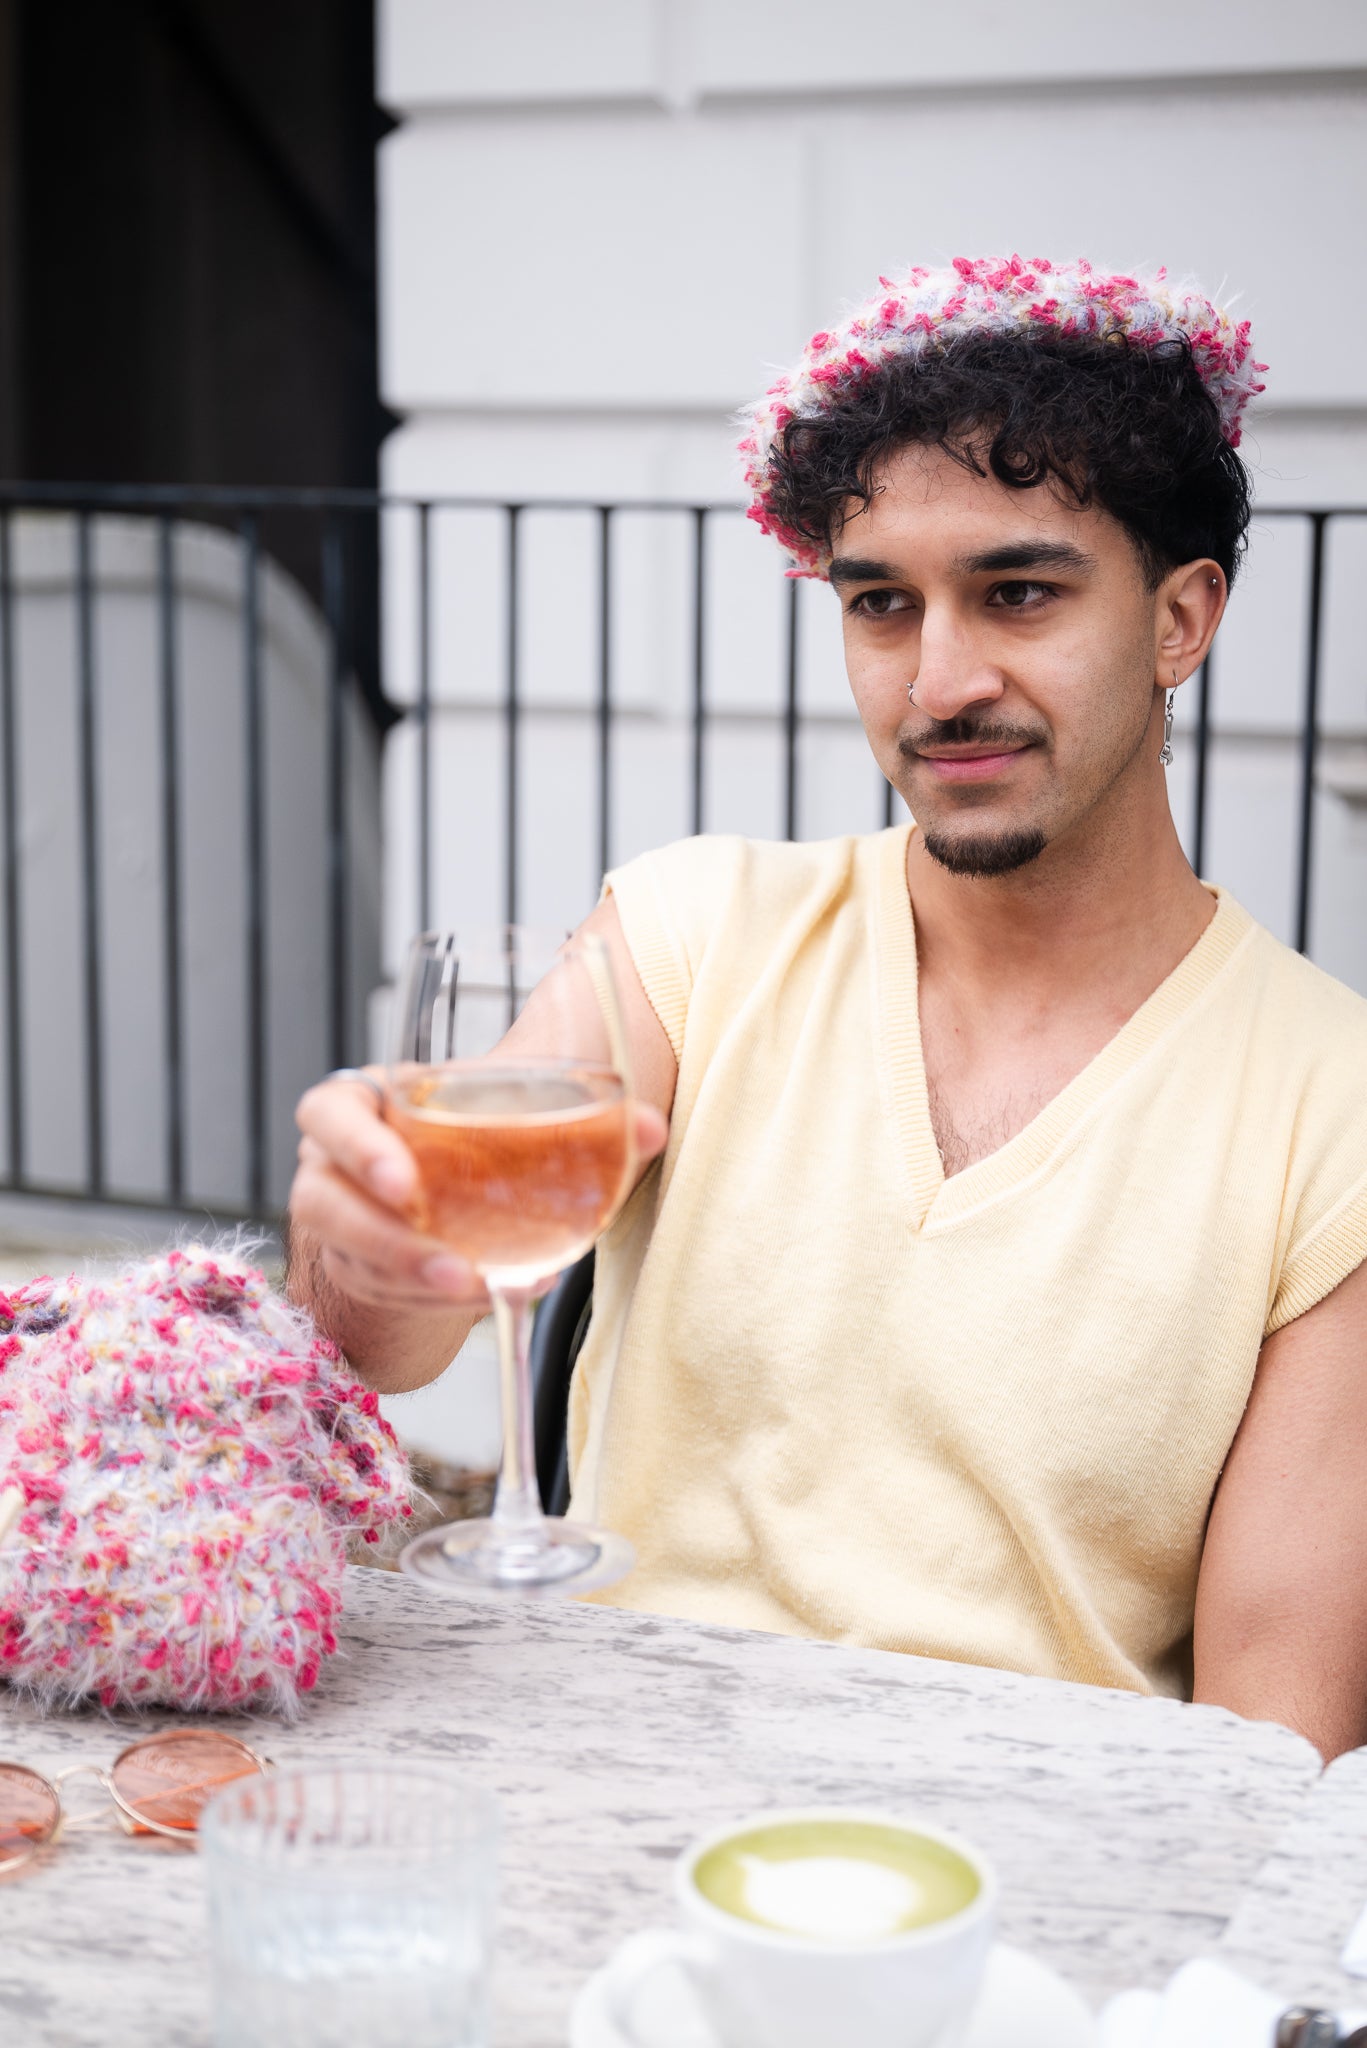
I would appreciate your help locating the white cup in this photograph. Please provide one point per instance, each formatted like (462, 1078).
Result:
(760, 1988)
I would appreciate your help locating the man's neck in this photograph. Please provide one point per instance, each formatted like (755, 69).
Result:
(1081, 923)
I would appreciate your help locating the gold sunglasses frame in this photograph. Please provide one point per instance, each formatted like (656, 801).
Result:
(130, 1818)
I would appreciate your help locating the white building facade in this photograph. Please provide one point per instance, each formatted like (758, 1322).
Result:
(603, 223)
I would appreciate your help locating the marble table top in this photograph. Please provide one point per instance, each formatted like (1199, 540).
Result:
(1291, 1924)
(1128, 1832)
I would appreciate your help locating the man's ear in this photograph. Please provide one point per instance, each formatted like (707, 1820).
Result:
(1191, 604)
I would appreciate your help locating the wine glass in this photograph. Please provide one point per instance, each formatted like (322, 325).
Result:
(510, 1085)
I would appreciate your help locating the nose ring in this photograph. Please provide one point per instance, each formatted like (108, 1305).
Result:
(911, 693)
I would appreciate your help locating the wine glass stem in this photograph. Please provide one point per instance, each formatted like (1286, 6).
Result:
(517, 1511)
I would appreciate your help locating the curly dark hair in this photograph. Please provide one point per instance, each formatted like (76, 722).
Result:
(1128, 427)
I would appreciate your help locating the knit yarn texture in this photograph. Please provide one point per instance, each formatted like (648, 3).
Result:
(926, 310)
(193, 1457)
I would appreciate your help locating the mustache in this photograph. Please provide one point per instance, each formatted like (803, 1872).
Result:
(967, 732)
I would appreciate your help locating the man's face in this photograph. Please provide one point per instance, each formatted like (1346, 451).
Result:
(1024, 623)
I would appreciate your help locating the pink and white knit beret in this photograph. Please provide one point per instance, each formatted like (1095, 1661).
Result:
(926, 309)
(192, 1457)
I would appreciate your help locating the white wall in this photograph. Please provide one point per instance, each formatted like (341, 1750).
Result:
(634, 208)
(450, 53)
(602, 224)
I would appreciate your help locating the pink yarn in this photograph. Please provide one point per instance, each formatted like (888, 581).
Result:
(193, 1457)
(991, 294)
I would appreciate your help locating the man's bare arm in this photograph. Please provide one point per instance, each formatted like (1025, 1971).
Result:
(1281, 1607)
(399, 1304)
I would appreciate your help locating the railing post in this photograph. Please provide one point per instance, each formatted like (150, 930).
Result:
(255, 832)
(424, 717)
(89, 839)
(790, 717)
(334, 603)
(604, 706)
(1202, 769)
(512, 713)
(9, 769)
(170, 856)
(699, 658)
(1310, 730)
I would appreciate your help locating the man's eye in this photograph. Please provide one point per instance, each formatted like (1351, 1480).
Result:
(1020, 597)
(879, 604)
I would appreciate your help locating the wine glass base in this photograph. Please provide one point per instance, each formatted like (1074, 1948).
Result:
(481, 1560)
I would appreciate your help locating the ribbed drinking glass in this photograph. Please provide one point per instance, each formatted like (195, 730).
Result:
(351, 1904)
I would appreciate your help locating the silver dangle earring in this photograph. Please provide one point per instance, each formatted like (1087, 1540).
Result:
(1166, 756)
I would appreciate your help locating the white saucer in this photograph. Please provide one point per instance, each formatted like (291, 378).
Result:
(1023, 2004)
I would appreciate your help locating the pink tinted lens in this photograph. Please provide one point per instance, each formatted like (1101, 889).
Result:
(167, 1780)
(29, 1813)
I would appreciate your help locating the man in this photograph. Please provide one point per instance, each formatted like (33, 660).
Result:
(999, 1294)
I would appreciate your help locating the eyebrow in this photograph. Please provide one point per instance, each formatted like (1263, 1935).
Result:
(1011, 555)
(1025, 554)
(859, 569)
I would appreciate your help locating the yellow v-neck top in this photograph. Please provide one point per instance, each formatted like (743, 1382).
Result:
(829, 1392)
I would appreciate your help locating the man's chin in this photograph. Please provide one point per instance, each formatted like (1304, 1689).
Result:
(966, 852)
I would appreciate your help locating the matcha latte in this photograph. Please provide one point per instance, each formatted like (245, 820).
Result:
(837, 1879)
(816, 1927)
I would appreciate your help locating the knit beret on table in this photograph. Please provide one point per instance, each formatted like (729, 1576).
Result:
(192, 1458)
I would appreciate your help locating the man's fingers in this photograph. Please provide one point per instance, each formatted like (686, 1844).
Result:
(342, 1218)
(365, 1283)
(377, 1288)
(345, 1118)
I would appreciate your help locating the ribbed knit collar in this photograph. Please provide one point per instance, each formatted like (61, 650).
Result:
(936, 1201)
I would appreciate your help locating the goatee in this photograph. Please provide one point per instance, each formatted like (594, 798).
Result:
(984, 853)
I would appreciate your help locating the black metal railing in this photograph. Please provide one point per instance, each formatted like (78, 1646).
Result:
(247, 517)
(343, 522)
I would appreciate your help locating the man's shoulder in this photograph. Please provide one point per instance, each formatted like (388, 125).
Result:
(1310, 1013)
(713, 866)
(1305, 1034)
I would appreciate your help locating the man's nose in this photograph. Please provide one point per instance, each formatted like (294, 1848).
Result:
(953, 672)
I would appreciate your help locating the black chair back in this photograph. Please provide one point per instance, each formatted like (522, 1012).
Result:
(562, 1321)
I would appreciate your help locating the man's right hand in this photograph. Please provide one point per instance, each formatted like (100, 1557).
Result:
(352, 1200)
(398, 1303)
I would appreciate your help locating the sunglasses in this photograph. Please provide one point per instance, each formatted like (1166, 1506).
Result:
(159, 1786)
